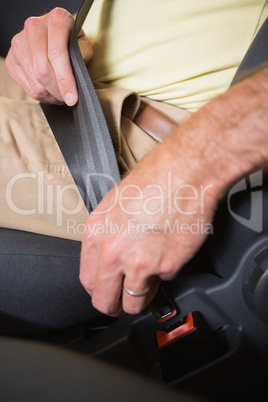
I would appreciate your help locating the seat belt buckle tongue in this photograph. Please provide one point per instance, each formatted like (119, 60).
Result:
(162, 307)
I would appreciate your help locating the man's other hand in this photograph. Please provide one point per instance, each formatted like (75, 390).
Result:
(38, 59)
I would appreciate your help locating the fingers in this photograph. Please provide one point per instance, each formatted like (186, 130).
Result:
(59, 28)
(134, 304)
(88, 264)
(107, 292)
(16, 71)
(37, 69)
(103, 282)
(39, 60)
(110, 279)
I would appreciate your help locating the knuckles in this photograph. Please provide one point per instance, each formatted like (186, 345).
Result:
(16, 42)
(31, 25)
(9, 64)
(86, 283)
(41, 73)
(168, 270)
(109, 248)
(39, 93)
(54, 53)
(111, 252)
(59, 13)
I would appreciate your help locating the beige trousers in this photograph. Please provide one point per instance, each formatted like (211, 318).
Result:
(38, 193)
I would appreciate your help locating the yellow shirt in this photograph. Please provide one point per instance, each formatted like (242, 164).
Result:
(177, 51)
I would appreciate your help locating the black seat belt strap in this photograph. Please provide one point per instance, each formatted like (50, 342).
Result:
(256, 54)
(82, 133)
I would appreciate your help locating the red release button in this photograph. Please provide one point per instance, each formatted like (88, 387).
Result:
(163, 337)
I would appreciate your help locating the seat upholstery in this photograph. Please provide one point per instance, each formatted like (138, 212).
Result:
(39, 284)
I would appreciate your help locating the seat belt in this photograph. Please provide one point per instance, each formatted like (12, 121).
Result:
(81, 131)
(256, 55)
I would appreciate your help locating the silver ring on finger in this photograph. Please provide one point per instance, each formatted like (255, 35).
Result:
(131, 293)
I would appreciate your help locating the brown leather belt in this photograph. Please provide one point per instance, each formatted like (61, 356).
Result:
(154, 122)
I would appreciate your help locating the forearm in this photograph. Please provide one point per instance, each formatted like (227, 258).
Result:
(227, 138)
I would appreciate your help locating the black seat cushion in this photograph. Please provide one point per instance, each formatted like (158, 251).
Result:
(39, 283)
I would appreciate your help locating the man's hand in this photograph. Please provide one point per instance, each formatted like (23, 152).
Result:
(38, 59)
(156, 219)
(144, 230)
